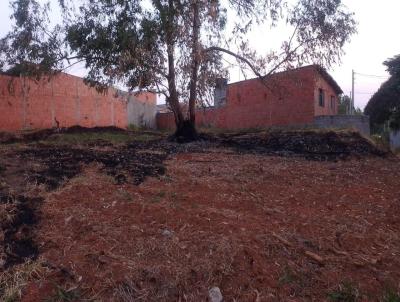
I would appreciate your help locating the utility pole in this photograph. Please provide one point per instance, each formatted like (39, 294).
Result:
(349, 104)
(352, 93)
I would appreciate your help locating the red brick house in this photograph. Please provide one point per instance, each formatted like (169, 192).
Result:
(294, 97)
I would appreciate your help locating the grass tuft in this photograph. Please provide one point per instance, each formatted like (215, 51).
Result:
(391, 296)
(65, 295)
(12, 282)
(346, 292)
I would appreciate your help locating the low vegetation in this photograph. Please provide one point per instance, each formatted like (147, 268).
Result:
(263, 215)
(346, 292)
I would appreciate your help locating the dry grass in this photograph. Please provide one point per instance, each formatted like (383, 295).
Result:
(13, 281)
(242, 222)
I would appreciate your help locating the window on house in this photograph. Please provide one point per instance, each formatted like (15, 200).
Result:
(321, 98)
(333, 102)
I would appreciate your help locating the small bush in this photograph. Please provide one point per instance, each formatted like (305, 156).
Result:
(346, 292)
(391, 296)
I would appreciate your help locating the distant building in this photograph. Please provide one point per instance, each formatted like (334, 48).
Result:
(293, 97)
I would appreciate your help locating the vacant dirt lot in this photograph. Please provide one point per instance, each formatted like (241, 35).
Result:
(132, 217)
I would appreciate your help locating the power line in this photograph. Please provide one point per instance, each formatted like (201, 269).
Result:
(370, 93)
(371, 75)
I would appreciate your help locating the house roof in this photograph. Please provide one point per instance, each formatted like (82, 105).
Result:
(327, 77)
(321, 70)
(163, 108)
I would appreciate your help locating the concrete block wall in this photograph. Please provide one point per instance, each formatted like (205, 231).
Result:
(64, 101)
(395, 140)
(358, 122)
(142, 110)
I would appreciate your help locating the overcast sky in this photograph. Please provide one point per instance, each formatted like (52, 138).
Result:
(377, 40)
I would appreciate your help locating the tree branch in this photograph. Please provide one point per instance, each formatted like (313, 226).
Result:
(241, 58)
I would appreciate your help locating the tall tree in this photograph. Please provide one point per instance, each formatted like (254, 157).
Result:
(175, 47)
(384, 106)
(344, 104)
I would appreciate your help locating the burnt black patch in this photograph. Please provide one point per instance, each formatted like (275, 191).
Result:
(5, 198)
(130, 163)
(312, 145)
(18, 239)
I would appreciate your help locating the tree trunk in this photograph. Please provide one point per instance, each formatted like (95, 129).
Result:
(195, 63)
(185, 128)
(173, 99)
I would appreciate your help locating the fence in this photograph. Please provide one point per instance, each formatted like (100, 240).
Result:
(395, 140)
(65, 101)
(358, 122)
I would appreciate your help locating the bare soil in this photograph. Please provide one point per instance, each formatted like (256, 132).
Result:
(265, 217)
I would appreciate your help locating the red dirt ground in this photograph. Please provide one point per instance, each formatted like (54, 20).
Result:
(261, 228)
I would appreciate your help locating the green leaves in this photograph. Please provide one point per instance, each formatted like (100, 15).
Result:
(384, 106)
(393, 66)
(168, 45)
(32, 48)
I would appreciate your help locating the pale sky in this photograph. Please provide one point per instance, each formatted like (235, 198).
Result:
(377, 40)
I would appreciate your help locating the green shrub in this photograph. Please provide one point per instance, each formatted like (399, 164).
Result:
(346, 292)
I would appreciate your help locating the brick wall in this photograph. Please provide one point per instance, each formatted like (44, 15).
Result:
(290, 98)
(64, 100)
(331, 100)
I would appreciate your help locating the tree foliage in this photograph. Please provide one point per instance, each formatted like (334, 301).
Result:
(384, 106)
(344, 104)
(32, 47)
(173, 47)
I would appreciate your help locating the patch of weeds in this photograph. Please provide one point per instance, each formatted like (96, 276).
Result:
(162, 194)
(346, 292)
(166, 178)
(194, 205)
(391, 295)
(13, 297)
(128, 291)
(133, 127)
(88, 138)
(11, 146)
(65, 295)
(125, 195)
(3, 185)
(175, 200)
(143, 138)
(288, 276)
(79, 179)
(174, 196)
(158, 197)
(12, 282)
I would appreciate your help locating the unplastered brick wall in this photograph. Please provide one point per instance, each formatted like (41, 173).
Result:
(286, 98)
(331, 100)
(62, 101)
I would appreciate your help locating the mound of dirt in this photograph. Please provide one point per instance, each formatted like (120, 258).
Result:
(7, 138)
(31, 136)
(316, 145)
(80, 129)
